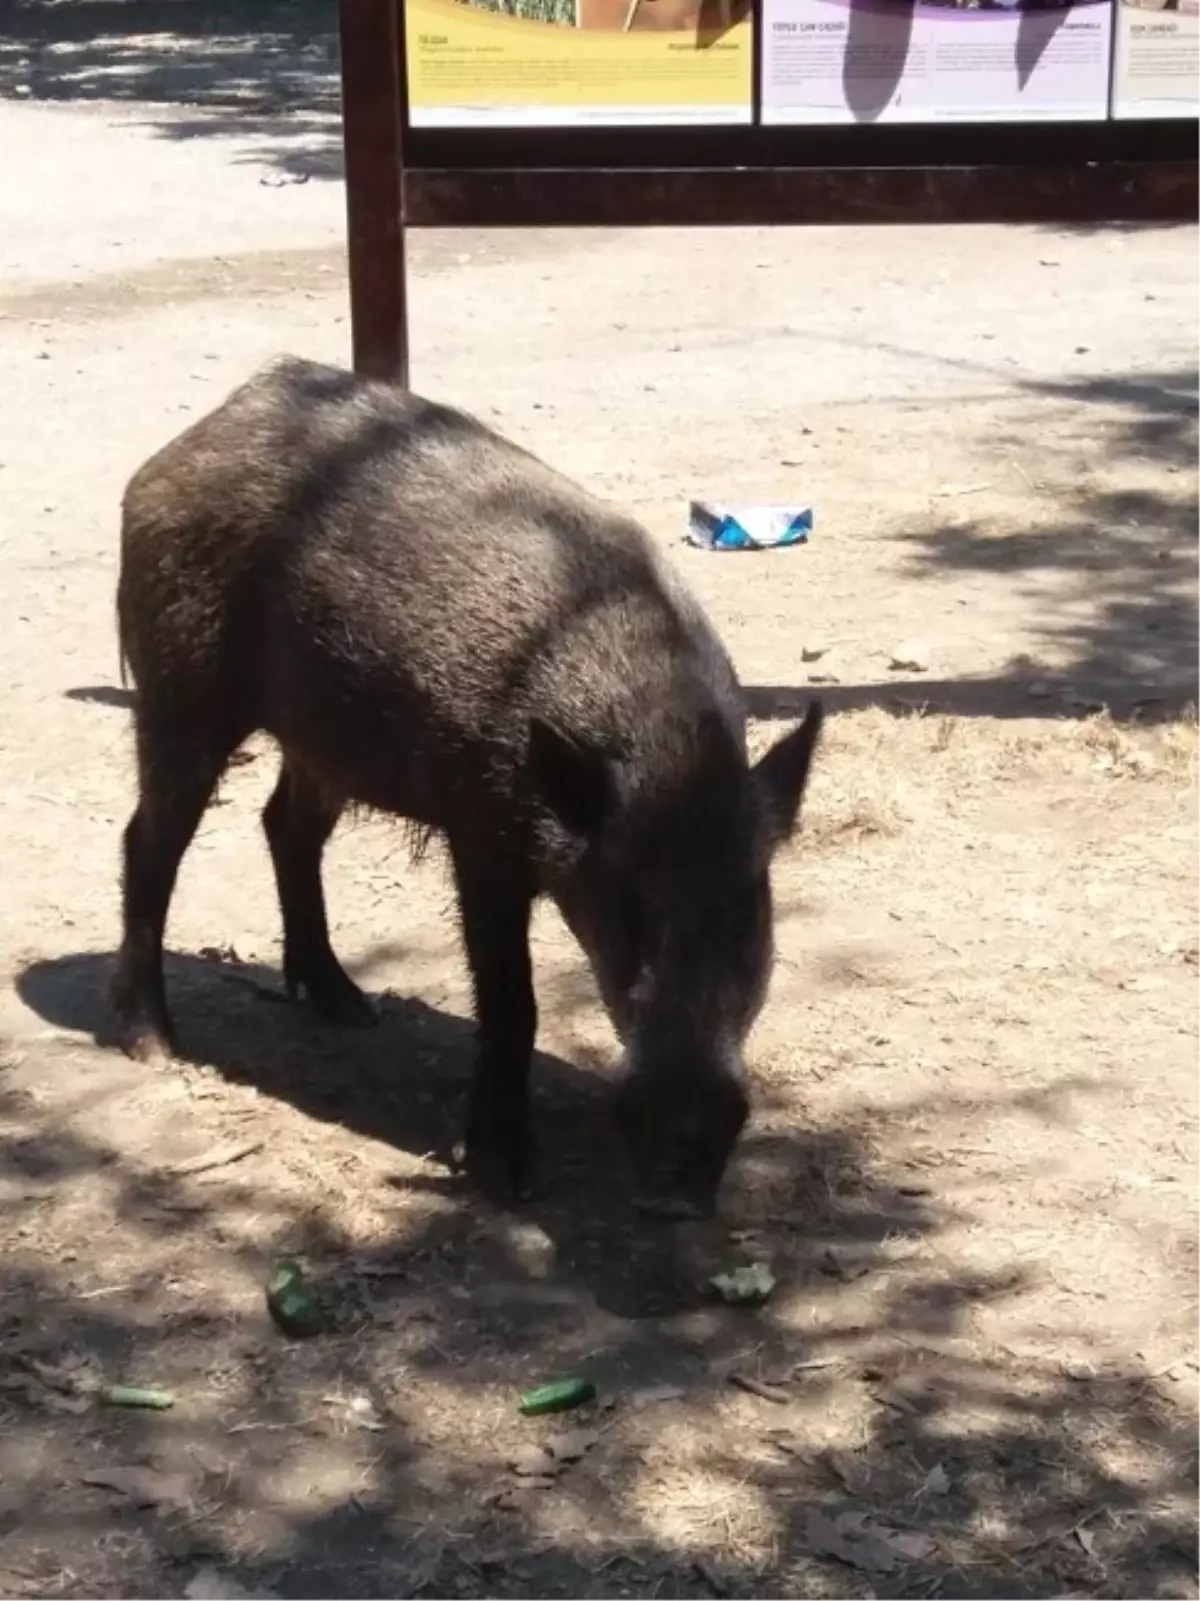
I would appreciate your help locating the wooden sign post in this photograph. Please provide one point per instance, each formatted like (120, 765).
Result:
(517, 174)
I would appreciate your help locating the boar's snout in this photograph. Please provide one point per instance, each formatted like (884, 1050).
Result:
(680, 1132)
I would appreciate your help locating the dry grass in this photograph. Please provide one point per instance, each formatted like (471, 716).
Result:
(877, 774)
(971, 1168)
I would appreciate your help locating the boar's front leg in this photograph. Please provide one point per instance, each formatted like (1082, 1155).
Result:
(495, 897)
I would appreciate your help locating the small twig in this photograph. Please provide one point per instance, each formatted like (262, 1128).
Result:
(223, 1156)
(766, 1392)
(953, 491)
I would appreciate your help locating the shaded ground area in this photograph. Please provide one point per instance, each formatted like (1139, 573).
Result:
(967, 1173)
(973, 1159)
(271, 66)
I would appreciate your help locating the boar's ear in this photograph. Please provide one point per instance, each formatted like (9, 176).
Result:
(783, 772)
(576, 781)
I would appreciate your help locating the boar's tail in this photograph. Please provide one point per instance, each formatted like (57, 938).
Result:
(122, 658)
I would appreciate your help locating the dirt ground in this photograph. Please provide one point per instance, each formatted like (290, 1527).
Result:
(972, 1167)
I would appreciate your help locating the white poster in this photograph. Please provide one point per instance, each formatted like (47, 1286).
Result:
(847, 61)
(1157, 59)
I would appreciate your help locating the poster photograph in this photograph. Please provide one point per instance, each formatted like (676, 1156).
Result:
(518, 63)
(854, 61)
(1157, 60)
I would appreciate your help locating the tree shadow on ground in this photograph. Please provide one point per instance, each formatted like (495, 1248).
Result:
(373, 1460)
(269, 67)
(403, 1084)
(1122, 608)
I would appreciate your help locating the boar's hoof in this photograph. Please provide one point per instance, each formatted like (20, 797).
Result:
(142, 1024)
(496, 1173)
(498, 1178)
(333, 996)
(145, 1041)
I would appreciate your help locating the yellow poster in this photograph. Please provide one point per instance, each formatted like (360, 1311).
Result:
(527, 63)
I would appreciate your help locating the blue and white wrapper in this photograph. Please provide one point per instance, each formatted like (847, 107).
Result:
(747, 527)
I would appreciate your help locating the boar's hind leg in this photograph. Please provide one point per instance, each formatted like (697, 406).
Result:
(495, 901)
(298, 819)
(177, 773)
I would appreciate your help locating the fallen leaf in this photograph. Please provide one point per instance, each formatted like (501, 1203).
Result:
(777, 1374)
(855, 1540)
(572, 1445)
(23, 1384)
(144, 1486)
(890, 1395)
(827, 1540)
(913, 656)
(72, 1405)
(362, 1410)
(220, 1156)
(744, 1286)
(218, 953)
(716, 1581)
(531, 1461)
(510, 1500)
(21, 1581)
(532, 1248)
(1080, 1372)
(953, 491)
(833, 1262)
(789, 1442)
(912, 1547)
(71, 1376)
(656, 1394)
(753, 1386)
(847, 1467)
(207, 1584)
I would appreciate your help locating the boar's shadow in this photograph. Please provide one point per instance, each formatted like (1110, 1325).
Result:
(404, 1084)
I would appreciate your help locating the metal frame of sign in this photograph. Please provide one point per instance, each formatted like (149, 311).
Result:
(400, 177)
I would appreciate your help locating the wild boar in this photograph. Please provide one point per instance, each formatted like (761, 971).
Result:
(431, 622)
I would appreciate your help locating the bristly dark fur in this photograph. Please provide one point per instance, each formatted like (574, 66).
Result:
(419, 836)
(434, 625)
